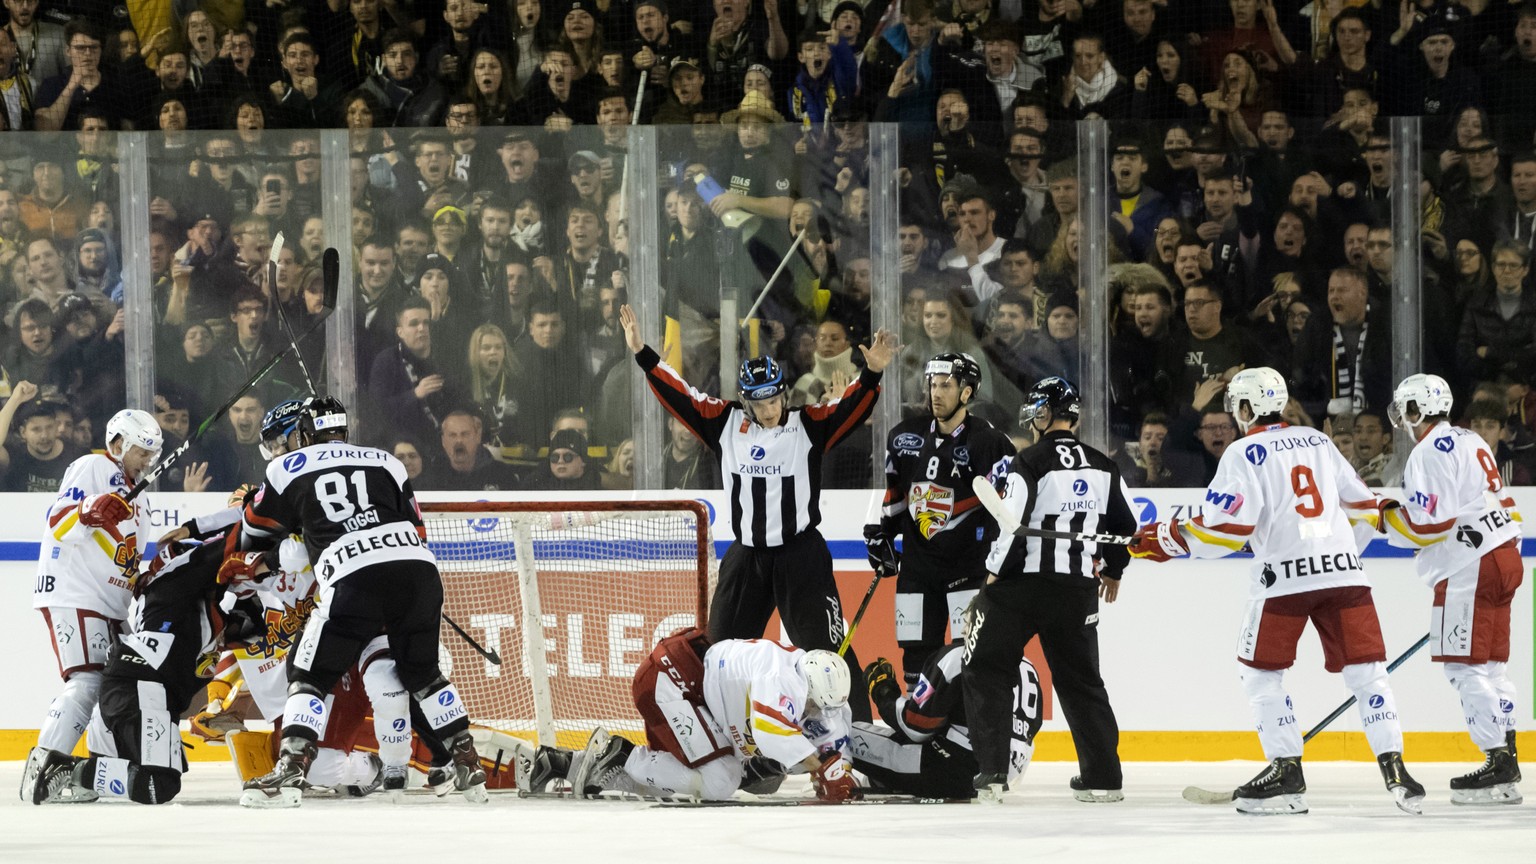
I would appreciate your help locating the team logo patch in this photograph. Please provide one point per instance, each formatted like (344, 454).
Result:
(931, 505)
(922, 692)
(1430, 503)
(907, 441)
(758, 453)
(1268, 577)
(445, 698)
(1445, 444)
(1506, 706)
(398, 724)
(1377, 701)
(961, 456)
(293, 462)
(1255, 453)
(1146, 510)
(63, 633)
(1079, 487)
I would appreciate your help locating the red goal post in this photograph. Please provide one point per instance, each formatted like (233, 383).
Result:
(605, 580)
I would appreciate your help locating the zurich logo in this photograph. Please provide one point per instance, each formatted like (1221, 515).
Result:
(1079, 487)
(399, 724)
(445, 698)
(1445, 444)
(1256, 453)
(1146, 510)
(758, 453)
(116, 786)
(1506, 706)
(294, 462)
(316, 706)
(1376, 701)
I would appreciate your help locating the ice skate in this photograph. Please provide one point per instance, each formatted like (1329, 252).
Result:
(990, 788)
(1493, 783)
(547, 765)
(49, 779)
(1081, 792)
(1406, 791)
(1279, 790)
(602, 766)
(463, 773)
(393, 778)
(283, 786)
(363, 790)
(761, 776)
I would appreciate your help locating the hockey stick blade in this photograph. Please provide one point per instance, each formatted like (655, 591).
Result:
(868, 800)
(165, 462)
(487, 653)
(1008, 522)
(1196, 795)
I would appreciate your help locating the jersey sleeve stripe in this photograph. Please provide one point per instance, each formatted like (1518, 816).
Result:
(1405, 528)
(770, 720)
(72, 517)
(107, 546)
(55, 518)
(1211, 537)
(862, 406)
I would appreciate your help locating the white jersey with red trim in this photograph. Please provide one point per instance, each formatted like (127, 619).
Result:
(756, 692)
(287, 598)
(1287, 493)
(80, 567)
(1455, 507)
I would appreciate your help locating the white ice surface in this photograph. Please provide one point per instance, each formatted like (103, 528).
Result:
(1352, 820)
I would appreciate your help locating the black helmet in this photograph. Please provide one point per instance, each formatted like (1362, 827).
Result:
(961, 367)
(1054, 393)
(761, 378)
(277, 423)
(322, 415)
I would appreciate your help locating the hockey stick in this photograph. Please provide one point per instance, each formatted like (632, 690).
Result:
(1197, 795)
(1005, 519)
(332, 271)
(282, 313)
(784, 262)
(479, 649)
(870, 797)
(868, 595)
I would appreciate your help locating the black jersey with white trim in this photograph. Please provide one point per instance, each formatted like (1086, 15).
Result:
(353, 505)
(936, 705)
(928, 497)
(1062, 484)
(174, 624)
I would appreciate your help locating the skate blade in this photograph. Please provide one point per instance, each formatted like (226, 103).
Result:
(1098, 796)
(1280, 805)
(73, 795)
(1503, 793)
(1197, 795)
(990, 794)
(1408, 803)
(260, 799)
(30, 794)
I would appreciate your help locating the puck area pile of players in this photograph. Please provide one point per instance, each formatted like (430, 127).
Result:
(316, 592)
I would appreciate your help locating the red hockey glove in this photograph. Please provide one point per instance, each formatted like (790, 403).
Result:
(99, 511)
(241, 568)
(1159, 541)
(834, 779)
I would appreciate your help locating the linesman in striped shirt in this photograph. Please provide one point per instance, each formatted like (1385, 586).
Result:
(770, 461)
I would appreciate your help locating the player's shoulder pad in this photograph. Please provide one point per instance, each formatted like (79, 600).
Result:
(98, 473)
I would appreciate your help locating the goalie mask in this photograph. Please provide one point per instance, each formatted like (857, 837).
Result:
(826, 678)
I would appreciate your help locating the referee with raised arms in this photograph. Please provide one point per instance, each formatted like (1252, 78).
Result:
(770, 460)
(1050, 587)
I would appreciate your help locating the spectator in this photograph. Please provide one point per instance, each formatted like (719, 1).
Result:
(1474, 276)
(50, 210)
(1514, 453)
(1373, 448)
(1165, 89)
(60, 99)
(1210, 352)
(619, 474)
(380, 296)
(834, 366)
(252, 346)
(687, 463)
(1344, 357)
(492, 383)
(1094, 86)
(553, 376)
(1498, 329)
(453, 313)
(38, 464)
(406, 451)
(40, 45)
(235, 455)
(976, 246)
(1136, 208)
(465, 464)
(36, 356)
(567, 468)
(1147, 462)
(173, 411)
(406, 381)
(484, 265)
(46, 272)
(1215, 432)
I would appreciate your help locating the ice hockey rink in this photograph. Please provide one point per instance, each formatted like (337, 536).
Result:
(1352, 819)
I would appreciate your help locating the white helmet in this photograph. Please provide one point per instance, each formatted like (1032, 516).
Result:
(1419, 396)
(136, 428)
(1262, 388)
(826, 677)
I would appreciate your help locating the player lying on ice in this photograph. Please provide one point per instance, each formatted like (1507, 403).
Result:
(709, 710)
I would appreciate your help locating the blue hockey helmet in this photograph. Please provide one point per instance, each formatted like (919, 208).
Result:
(761, 378)
(276, 424)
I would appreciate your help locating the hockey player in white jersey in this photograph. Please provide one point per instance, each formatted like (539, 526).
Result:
(708, 714)
(1458, 515)
(88, 559)
(1288, 494)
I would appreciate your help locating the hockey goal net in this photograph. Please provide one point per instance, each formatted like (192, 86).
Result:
(572, 596)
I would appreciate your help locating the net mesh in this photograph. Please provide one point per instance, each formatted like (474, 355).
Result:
(610, 580)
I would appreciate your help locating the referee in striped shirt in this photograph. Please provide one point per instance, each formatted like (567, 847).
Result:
(1051, 588)
(770, 460)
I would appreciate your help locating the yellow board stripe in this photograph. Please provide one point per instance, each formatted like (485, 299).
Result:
(1056, 746)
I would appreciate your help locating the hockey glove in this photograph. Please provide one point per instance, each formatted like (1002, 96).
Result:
(1159, 541)
(242, 567)
(834, 779)
(99, 511)
(881, 550)
(881, 679)
(242, 495)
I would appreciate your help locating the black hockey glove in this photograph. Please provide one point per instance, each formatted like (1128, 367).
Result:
(881, 550)
(880, 676)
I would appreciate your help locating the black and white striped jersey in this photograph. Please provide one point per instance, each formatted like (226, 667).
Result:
(1062, 484)
(773, 475)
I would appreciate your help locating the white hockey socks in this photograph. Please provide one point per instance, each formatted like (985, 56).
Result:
(1378, 708)
(1499, 674)
(1480, 703)
(658, 773)
(391, 711)
(441, 706)
(70, 712)
(307, 711)
(1272, 713)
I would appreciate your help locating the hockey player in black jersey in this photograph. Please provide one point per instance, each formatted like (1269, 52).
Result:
(924, 748)
(358, 516)
(945, 533)
(770, 459)
(153, 673)
(1051, 588)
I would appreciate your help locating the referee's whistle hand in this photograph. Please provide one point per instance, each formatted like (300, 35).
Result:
(881, 351)
(631, 326)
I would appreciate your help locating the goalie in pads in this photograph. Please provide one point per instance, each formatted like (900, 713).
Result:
(708, 710)
(1288, 493)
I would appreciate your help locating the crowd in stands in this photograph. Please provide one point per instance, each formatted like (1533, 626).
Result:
(1250, 158)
